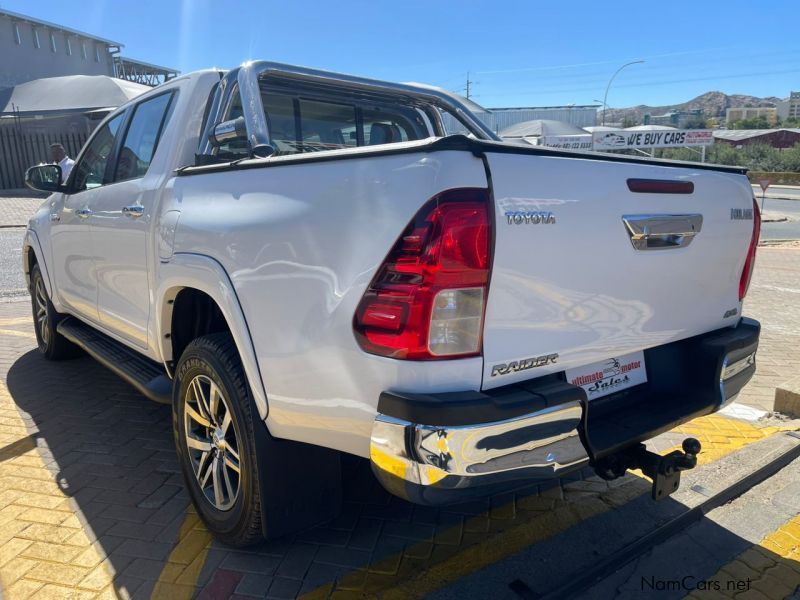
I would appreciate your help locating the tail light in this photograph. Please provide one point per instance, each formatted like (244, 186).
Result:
(749, 262)
(427, 299)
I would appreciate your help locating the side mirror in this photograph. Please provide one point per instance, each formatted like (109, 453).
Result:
(44, 178)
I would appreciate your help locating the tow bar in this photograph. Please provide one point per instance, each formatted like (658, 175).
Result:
(665, 471)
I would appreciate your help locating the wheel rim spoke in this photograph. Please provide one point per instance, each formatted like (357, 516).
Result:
(213, 402)
(209, 469)
(202, 445)
(232, 463)
(226, 423)
(226, 478)
(216, 477)
(197, 416)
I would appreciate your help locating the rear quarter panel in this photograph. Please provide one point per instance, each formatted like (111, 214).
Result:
(300, 243)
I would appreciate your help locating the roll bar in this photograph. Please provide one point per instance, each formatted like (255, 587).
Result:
(246, 79)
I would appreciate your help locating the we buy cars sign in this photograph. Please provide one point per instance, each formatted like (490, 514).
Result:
(667, 138)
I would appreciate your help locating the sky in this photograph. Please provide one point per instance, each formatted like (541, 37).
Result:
(517, 53)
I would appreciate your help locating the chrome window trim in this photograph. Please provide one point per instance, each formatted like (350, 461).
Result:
(246, 79)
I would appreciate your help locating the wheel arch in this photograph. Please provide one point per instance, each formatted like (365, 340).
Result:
(199, 277)
(32, 254)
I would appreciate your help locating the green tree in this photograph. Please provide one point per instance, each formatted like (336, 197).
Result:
(696, 123)
(754, 123)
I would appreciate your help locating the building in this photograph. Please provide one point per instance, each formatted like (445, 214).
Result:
(34, 49)
(790, 108)
(676, 118)
(777, 138)
(770, 113)
(502, 118)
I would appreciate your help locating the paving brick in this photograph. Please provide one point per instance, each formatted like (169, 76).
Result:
(283, 588)
(297, 560)
(253, 563)
(253, 585)
(136, 531)
(222, 585)
(56, 573)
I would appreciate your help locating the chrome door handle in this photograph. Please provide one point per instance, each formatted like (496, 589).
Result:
(84, 212)
(134, 210)
(662, 232)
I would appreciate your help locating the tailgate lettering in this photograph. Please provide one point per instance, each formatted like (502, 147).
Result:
(524, 364)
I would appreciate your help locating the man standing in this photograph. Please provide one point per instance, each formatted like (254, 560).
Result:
(59, 156)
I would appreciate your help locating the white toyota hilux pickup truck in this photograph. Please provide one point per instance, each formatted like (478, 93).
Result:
(305, 264)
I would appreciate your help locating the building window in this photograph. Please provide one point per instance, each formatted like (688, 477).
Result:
(53, 42)
(36, 41)
(69, 47)
(96, 53)
(83, 50)
(17, 36)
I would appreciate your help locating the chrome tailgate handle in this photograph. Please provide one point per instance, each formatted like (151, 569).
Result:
(662, 232)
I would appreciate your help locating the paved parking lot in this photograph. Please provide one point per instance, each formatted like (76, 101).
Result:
(92, 502)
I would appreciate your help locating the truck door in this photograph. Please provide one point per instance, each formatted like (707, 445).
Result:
(75, 275)
(122, 221)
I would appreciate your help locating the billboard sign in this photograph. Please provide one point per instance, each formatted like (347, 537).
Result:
(666, 138)
(571, 142)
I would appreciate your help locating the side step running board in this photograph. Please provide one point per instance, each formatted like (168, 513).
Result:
(147, 376)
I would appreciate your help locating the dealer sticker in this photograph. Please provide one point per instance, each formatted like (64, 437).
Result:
(608, 376)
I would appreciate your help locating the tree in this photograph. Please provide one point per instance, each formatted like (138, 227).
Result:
(696, 123)
(754, 123)
(628, 122)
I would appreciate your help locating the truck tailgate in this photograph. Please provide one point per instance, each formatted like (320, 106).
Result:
(571, 286)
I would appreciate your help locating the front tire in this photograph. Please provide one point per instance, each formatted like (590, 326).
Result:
(52, 344)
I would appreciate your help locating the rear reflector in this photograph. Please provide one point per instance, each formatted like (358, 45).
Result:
(750, 260)
(660, 186)
(427, 299)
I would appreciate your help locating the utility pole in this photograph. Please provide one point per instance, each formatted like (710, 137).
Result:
(469, 84)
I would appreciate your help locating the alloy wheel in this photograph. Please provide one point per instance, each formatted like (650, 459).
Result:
(211, 440)
(40, 298)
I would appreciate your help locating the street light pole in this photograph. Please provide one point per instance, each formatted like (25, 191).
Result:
(605, 97)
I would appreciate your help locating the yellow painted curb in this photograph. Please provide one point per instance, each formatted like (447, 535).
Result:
(771, 568)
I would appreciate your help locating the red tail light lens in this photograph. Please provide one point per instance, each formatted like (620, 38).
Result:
(750, 261)
(426, 300)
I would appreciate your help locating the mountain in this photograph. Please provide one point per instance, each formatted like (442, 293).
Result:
(712, 103)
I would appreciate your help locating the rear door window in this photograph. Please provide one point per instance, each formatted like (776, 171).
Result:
(141, 139)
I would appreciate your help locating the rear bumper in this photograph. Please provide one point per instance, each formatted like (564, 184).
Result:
(440, 448)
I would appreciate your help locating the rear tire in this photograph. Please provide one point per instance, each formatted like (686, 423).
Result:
(214, 436)
(52, 344)
(281, 486)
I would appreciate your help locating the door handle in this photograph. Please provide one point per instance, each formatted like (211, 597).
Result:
(662, 232)
(134, 210)
(84, 212)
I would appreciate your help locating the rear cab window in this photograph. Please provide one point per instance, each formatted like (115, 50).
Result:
(301, 122)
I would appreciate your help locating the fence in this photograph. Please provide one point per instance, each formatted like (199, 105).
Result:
(19, 149)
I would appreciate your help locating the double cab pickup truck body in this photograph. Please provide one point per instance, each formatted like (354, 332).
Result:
(304, 263)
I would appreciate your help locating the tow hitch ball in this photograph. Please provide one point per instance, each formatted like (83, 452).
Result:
(665, 471)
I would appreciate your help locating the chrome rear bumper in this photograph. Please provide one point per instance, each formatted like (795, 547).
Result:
(426, 463)
(437, 448)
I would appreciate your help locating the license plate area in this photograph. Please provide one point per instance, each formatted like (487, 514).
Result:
(610, 375)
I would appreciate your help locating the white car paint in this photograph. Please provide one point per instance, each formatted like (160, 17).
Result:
(287, 251)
